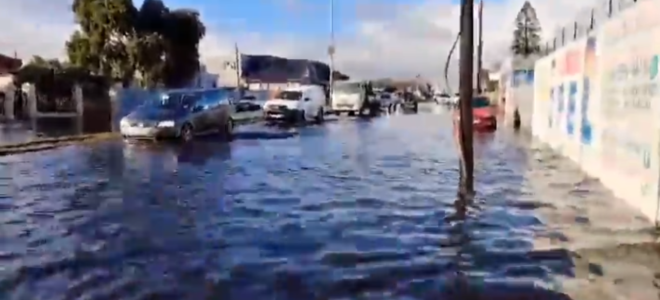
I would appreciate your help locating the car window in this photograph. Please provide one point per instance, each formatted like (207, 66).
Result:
(212, 97)
(175, 100)
(290, 95)
(349, 88)
(480, 102)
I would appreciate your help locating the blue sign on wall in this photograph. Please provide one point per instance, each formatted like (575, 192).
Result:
(522, 77)
(586, 127)
(572, 107)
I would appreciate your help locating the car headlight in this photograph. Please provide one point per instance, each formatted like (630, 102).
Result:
(166, 124)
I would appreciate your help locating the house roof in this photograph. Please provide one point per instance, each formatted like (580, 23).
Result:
(9, 64)
(274, 69)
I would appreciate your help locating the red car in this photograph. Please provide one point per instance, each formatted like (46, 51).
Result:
(483, 113)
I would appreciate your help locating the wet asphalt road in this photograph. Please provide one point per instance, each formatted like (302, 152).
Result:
(353, 209)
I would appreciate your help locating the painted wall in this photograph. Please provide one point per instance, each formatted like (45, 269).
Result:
(596, 101)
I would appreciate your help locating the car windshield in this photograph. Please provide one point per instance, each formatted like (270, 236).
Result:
(347, 88)
(173, 101)
(289, 95)
(480, 102)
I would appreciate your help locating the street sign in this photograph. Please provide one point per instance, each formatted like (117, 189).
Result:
(331, 50)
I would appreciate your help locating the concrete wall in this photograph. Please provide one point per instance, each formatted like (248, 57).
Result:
(517, 88)
(597, 101)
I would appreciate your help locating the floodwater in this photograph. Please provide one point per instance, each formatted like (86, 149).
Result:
(353, 209)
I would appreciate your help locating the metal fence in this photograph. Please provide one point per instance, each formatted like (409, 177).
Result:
(586, 21)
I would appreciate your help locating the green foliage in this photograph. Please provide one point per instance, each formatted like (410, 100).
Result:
(120, 41)
(527, 35)
(54, 78)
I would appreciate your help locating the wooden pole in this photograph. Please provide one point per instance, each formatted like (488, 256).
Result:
(466, 90)
(237, 63)
(480, 47)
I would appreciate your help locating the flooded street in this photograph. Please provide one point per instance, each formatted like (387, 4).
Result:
(353, 209)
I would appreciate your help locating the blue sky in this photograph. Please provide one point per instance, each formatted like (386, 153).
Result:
(299, 17)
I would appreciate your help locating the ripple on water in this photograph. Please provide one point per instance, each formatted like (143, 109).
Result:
(352, 209)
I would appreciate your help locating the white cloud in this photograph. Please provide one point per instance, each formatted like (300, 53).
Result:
(394, 41)
(35, 27)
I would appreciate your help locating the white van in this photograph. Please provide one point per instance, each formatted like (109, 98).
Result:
(297, 104)
(348, 98)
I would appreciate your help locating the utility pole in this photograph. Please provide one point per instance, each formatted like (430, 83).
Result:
(237, 64)
(466, 89)
(331, 50)
(480, 47)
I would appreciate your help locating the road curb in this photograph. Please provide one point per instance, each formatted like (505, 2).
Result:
(53, 143)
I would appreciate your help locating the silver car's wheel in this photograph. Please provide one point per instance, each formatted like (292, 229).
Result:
(187, 133)
(320, 116)
(227, 130)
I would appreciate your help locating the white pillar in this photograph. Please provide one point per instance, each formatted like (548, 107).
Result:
(78, 98)
(32, 101)
(9, 101)
(113, 93)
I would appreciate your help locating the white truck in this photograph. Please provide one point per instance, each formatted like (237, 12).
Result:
(347, 97)
(297, 105)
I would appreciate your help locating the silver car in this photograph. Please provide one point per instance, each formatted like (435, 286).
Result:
(182, 114)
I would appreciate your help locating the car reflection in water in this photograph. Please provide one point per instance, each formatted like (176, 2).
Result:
(199, 151)
(169, 156)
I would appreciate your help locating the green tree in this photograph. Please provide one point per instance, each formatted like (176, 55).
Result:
(527, 35)
(182, 32)
(120, 41)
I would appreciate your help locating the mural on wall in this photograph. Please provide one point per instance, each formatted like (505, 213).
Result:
(629, 92)
(568, 69)
(589, 72)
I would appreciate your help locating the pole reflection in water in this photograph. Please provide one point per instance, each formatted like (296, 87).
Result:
(469, 280)
(457, 283)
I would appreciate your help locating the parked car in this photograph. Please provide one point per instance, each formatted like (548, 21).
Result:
(348, 98)
(454, 100)
(388, 100)
(181, 114)
(248, 107)
(442, 98)
(483, 113)
(297, 104)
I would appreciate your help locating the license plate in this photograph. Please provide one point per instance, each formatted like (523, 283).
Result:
(136, 131)
(345, 105)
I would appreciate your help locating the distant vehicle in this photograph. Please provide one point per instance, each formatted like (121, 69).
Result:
(182, 114)
(297, 105)
(388, 99)
(483, 113)
(248, 107)
(442, 98)
(348, 98)
(455, 99)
